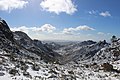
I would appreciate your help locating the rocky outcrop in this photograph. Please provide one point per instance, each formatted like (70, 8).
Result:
(20, 43)
(5, 31)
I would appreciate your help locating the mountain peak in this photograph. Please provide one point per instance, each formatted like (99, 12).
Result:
(5, 30)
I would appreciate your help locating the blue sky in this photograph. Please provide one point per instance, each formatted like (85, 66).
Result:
(63, 19)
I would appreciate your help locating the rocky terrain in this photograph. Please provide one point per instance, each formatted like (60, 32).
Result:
(22, 58)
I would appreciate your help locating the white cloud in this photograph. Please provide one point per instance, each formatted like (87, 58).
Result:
(71, 30)
(101, 33)
(105, 14)
(58, 6)
(22, 28)
(9, 5)
(68, 31)
(92, 12)
(84, 27)
(45, 28)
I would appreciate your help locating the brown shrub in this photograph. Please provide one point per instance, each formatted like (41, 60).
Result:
(107, 67)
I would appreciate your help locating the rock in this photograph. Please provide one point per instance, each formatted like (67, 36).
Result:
(24, 67)
(87, 66)
(52, 71)
(27, 74)
(116, 53)
(70, 72)
(1, 60)
(35, 67)
(13, 71)
(52, 76)
(7, 33)
(2, 74)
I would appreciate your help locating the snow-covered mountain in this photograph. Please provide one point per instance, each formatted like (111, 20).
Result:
(72, 47)
(35, 46)
(22, 58)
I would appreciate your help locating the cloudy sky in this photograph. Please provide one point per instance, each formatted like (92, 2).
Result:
(63, 19)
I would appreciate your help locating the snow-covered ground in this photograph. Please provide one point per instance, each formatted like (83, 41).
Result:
(49, 71)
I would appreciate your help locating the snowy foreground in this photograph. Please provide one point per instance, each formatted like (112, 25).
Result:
(29, 69)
